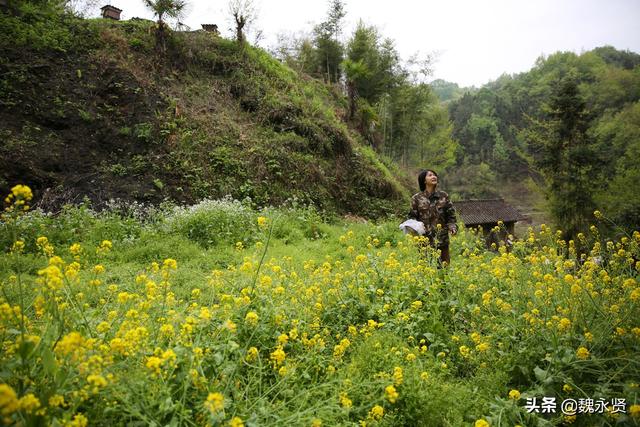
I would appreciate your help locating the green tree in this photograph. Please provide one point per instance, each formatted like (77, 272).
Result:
(329, 49)
(297, 51)
(395, 111)
(564, 154)
(379, 63)
(164, 9)
(354, 71)
(618, 144)
(422, 131)
(446, 91)
(472, 181)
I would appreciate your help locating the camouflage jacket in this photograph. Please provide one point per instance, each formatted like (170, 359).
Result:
(432, 210)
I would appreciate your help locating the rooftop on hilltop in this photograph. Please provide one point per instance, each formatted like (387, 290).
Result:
(111, 12)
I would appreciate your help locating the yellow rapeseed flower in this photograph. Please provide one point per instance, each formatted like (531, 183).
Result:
(167, 330)
(251, 318)
(104, 247)
(204, 314)
(514, 394)
(29, 403)
(229, 325)
(283, 339)
(582, 353)
(56, 400)
(483, 346)
(21, 192)
(340, 349)
(8, 400)
(18, 246)
(376, 412)
(481, 423)
(252, 354)
(103, 327)
(214, 402)
(345, 402)
(75, 249)
(398, 377)
(464, 351)
(170, 263)
(564, 324)
(391, 394)
(97, 381)
(154, 363)
(79, 420)
(278, 356)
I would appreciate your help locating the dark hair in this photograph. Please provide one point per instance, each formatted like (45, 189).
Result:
(422, 176)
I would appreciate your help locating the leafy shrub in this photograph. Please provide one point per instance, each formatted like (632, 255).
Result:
(212, 222)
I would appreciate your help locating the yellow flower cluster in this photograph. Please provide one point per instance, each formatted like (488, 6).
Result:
(340, 349)
(345, 402)
(19, 198)
(214, 402)
(582, 353)
(251, 318)
(8, 402)
(277, 357)
(391, 393)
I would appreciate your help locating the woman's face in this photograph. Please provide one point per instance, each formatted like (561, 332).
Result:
(431, 178)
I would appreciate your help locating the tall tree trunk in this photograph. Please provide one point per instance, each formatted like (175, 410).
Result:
(351, 93)
(240, 23)
(161, 37)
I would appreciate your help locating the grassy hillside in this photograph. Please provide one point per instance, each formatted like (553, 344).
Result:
(90, 109)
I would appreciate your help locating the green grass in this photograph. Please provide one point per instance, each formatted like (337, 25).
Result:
(353, 306)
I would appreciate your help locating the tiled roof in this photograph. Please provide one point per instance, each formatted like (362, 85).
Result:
(111, 7)
(476, 212)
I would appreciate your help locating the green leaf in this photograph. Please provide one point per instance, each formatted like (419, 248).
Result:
(49, 361)
(541, 374)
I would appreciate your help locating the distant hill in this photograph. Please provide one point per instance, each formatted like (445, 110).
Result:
(89, 108)
(448, 91)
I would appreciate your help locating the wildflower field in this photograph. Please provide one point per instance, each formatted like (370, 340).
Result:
(219, 314)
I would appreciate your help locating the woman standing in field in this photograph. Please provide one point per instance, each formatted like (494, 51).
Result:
(433, 208)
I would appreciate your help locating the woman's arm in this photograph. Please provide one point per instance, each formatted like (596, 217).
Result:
(450, 216)
(413, 212)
